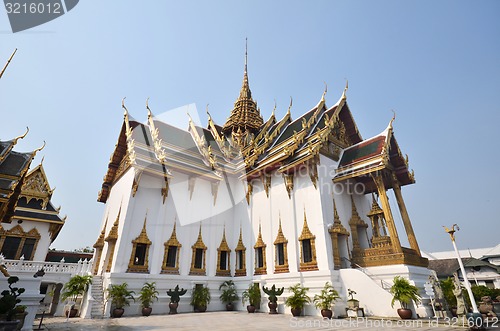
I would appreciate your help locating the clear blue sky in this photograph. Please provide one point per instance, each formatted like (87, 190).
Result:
(436, 63)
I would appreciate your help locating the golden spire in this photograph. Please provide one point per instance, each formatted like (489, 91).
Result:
(7, 64)
(336, 218)
(345, 89)
(113, 233)
(245, 115)
(100, 241)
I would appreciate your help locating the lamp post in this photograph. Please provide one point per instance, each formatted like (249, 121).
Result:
(451, 232)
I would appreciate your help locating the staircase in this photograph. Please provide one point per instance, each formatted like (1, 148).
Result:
(97, 292)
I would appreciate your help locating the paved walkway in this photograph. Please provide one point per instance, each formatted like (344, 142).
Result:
(225, 321)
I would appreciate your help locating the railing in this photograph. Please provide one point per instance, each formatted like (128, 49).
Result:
(80, 268)
(383, 284)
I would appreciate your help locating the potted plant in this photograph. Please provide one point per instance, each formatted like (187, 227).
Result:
(252, 294)
(405, 293)
(228, 295)
(351, 302)
(8, 303)
(200, 298)
(325, 300)
(75, 287)
(298, 299)
(120, 297)
(451, 300)
(147, 294)
(175, 297)
(273, 294)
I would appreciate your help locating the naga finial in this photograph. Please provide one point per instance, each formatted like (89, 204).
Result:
(21, 136)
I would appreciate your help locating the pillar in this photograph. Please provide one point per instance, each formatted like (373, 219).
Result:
(386, 207)
(404, 215)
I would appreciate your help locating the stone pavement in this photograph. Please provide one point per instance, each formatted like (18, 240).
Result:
(222, 321)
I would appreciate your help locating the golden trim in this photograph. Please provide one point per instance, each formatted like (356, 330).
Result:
(260, 245)
(307, 235)
(240, 247)
(142, 239)
(171, 242)
(223, 247)
(199, 245)
(280, 239)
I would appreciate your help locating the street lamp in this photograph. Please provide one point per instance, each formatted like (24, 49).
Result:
(451, 232)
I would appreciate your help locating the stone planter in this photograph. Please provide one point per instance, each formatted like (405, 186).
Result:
(146, 311)
(405, 313)
(117, 312)
(272, 307)
(296, 312)
(327, 313)
(173, 308)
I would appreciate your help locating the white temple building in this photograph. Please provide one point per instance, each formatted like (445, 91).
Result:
(277, 201)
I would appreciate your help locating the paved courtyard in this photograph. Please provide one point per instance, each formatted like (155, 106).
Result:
(221, 321)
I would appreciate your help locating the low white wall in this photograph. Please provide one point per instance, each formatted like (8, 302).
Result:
(374, 299)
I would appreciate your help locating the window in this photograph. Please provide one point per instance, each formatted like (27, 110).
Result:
(171, 256)
(140, 254)
(281, 258)
(223, 260)
(198, 260)
(259, 255)
(15, 243)
(280, 254)
(140, 251)
(10, 247)
(223, 257)
(239, 260)
(28, 248)
(306, 250)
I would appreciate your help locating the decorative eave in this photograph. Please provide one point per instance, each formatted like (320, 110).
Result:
(9, 145)
(11, 197)
(120, 160)
(379, 153)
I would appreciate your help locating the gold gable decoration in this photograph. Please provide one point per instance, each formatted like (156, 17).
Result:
(139, 257)
(260, 255)
(36, 186)
(280, 241)
(240, 250)
(223, 267)
(198, 260)
(307, 241)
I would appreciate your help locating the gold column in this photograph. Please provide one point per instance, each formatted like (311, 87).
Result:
(386, 207)
(336, 252)
(406, 218)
